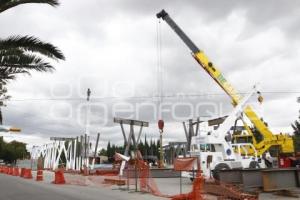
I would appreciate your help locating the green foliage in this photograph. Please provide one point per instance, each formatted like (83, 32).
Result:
(10, 152)
(7, 4)
(23, 54)
(144, 147)
(103, 152)
(296, 137)
(296, 127)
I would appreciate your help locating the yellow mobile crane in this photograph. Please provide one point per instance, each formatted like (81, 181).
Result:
(261, 136)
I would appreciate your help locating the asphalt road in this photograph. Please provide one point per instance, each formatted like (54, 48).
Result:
(16, 188)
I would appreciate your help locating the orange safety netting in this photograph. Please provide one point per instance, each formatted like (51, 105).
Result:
(195, 194)
(184, 164)
(147, 184)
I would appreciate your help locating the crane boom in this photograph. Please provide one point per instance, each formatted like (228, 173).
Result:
(263, 138)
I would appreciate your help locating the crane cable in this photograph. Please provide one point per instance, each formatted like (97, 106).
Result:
(159, 68)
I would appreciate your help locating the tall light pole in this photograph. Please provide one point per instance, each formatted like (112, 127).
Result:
(87, 120)
(87, 132)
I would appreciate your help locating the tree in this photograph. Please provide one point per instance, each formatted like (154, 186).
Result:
(7, 4)
(108, 149)
(11, 152)
(296, 137)
(23, 54)
(296, 127)
(102, 152)
(146, 147)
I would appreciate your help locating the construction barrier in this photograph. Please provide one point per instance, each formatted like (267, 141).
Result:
(22, 172)
(16, 171)
(39, 175)
(27, 174)
(10, 171)
(5, 170)
(59, 177)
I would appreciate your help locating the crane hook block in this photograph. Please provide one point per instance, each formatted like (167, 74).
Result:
(260, 99)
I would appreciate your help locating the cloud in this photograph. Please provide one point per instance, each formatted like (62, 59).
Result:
(112, 49)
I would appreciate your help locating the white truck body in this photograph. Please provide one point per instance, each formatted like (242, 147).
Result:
(214, 151)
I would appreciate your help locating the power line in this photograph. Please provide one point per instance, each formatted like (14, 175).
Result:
(174, 96)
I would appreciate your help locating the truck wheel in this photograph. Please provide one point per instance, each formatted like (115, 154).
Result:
(254, 165)
(217, 169)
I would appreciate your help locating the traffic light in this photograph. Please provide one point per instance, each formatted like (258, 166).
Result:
(13, 129)
(9, 129)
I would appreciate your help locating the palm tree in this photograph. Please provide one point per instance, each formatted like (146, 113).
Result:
(296, 136)
(7, 4)
(23, 54)
(296, 127)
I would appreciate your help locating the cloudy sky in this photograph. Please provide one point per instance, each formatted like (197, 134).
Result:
(115, 48)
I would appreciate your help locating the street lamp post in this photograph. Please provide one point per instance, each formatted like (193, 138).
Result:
(87, 131)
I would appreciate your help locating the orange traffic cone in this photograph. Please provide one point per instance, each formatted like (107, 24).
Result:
(27, 174)
(16, 171)
(39, 175)
(59, 177)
